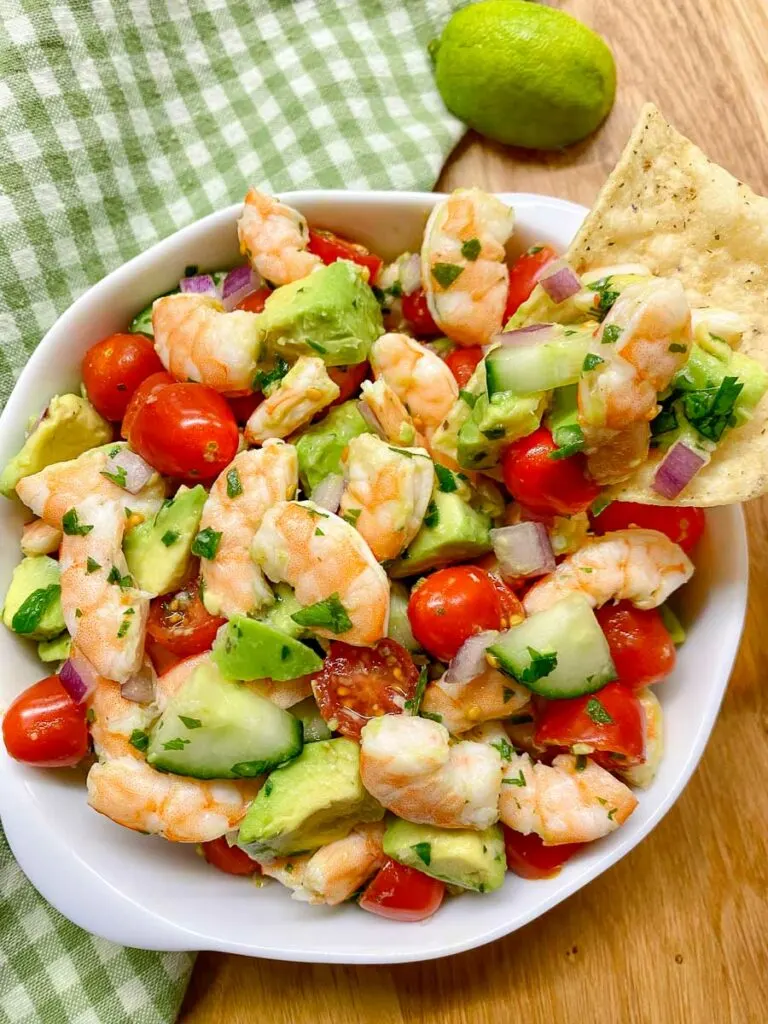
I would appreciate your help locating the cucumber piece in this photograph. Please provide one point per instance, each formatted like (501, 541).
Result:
(312, 722)
(399, 624)
(673, 624)
(533, 368)
(215, 729)
(560, 652)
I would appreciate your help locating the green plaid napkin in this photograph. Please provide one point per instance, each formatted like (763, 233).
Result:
(119, 123)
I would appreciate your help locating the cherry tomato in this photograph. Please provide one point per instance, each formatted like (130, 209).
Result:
(242, 406)
(511, 609)
(180, 622)
(186, 431)
(523, 273)
(154, 383)
(162, 659)
(254, 301)
(402, 894)
(356, 684)
(682, 525)
(349, 379)
(45, 727)
(453, 604)
(640, 644)
(610, 721)
(462, 362)
(230, 859)
(416, 312)
(543, 484)
(330, 247)
(528, 857)
(114, 367)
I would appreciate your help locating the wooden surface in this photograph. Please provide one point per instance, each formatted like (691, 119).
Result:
(678, 931)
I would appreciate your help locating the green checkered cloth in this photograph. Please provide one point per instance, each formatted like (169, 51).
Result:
(119, 123)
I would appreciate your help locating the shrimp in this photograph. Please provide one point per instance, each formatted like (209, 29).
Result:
(106, 615)
(462, 265)
(410, 767)
(329, 564)
(419, 378)
(562, 802)
(387, 490)
(389, 414)
(283, 694)
(641, 566)
(232, 582)
(64, 485)
(303, 391)
(642, 775)
(38, 538)
(113, 720)
(197, 341)
(489, 696)
(275, 237)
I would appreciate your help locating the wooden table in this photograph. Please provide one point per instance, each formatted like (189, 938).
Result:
(677, 933)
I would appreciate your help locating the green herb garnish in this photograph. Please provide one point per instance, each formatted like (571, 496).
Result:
(170, 537)
(591, 361)
(33, 608)
(446, 481)
(191, 723)
(70, 523)
(542, 664)
(569, 440)
(234, 484)
(470, 249)
(206, 543)
(446, 273)
(598, 712)
(328, 614)
(423, 851)
(139, 739)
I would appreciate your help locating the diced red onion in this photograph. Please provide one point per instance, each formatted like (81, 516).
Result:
(559, 280)
(410, 274)
(371, 419)
(237, 284)
(533, 334)
(678, 467)
(469, 661)
(328, 492)
(523, 550)
(78, 677)
(137, 471)
(200, 284)
(140, 687)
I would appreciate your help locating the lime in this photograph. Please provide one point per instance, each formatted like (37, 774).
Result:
(524, 74)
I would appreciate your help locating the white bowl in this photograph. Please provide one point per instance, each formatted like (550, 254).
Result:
(145, 892)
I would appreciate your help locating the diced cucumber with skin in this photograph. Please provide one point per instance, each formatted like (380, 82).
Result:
(559, 652)
(528, 369)
(312, 722)
(673, 624)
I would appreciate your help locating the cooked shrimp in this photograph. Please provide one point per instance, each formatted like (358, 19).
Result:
(303, 391)
(113, 720)
(641, 566)
(462, 264)
(232, 582)
(274, 237)
(487, 697)
(409, 766)
(197, 341)
(387, 491)
(642, 775)
(284, 694)
(104, 612)
(419, 378)
(38, 538)
(390, 414)
(64, 485)
(327, 562)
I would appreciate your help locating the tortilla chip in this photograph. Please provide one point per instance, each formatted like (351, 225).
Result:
(667, 206)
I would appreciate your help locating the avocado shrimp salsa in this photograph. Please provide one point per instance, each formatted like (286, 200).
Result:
(348, 604)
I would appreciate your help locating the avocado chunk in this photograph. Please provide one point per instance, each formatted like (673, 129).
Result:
(495, 423)
(332, 314)
(69, 427)
(33, 602)
(280, 614)
(310, 802)
(55, 650)
(248, 649)
(463, 857)
(158, 551)
(320, 447)
(312, 722)
(452, 532)
(215, 729)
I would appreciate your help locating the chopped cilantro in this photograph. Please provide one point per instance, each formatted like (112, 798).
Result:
(432, 717)
(508, 693)
(504, 748)
(676, 347)
(446, 273)
(125, 625)
(206, 543)
(432, 518)
(569, 439)
(121, 581)
(71, 525)
(518, 780)
(407, 454)
(611, 813)
(268, 787)
(470, 249)
(91, 565)
(33, 607)
(139, 739)
(328, 614)
(469, 398)
(598, 712)
(710, 410)
(611, 334)
(591, 361)
(317, 347)
(581, 762)
(170, 537)
(494, 433)
(176, 744)
(600, 504)
(266, 378)
(319, 532)
(90, 716)
(423, 851)
(542, 664)
(191, 723)
(414, 703)
(234, 484)
(119, 476)
(446, 481)
(604, 299)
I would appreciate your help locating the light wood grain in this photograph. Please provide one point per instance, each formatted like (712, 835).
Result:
(678, 931)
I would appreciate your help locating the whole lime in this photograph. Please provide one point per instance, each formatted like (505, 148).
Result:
(524, 74)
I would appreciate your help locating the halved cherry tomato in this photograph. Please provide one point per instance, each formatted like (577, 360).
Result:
(682, 525)
(416, 312)
(402, 894)
(45, 727)
(610, 721)
(161, 657)
(114, 367)
(349, 379)
(186, 431)
(330, 247)
(528, 857)
(230, 859)
(462, 362)
(154, 383)
(356, 684)
(453, 604)
(523, 273)
(543, 484)
(254, 301)
(180, 622)
(242, 406)
(640, 644)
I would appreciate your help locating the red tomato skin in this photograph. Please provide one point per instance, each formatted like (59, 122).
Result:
(684, 526)
(254, 302)
(243, 406)
(462, 363)
(349, 379)
(114, 367)
(640, 644)
(522, 276)
(528, 857)
(416, 312)
(186, 431)
(400, 893)
(195, 631)
(44, 727)
(154, 383)
(543, 484)
(330, 247)
(563, 723)
(229, 859)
